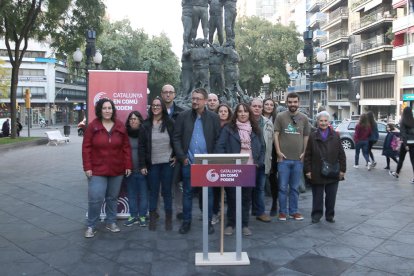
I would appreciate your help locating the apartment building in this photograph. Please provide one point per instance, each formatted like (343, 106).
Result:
(403, 51)
(56, 95)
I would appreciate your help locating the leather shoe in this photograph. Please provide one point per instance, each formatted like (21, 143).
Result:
(330, 220)
(263, 218)
(316, 220)
(210, 228)
(185, 227)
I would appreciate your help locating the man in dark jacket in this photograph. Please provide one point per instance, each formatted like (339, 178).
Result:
(168, 95)
(196, 131)
(5, 128)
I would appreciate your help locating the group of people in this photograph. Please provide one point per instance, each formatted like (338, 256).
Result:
(5, 128)
(158, 152)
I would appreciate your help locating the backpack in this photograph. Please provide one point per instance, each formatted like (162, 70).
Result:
(396, 143)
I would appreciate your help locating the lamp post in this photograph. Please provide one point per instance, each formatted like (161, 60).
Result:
(66, 127)
(307, 55)
(266, 81)
(90, 52)
(358, 97)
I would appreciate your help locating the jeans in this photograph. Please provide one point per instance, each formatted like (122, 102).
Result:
(137, 187)
(364, 146)
(290, 172)
(160, 173)
(188, 196)
(100, 188)
(231, 205)
(258, 206)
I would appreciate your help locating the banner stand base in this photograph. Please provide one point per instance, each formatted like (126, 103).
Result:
(228, 258)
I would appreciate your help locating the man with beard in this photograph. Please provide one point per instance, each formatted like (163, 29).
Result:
(291, 137)
(195, 131)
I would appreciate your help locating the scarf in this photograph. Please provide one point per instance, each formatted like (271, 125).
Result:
(245, 130)
(324, 133)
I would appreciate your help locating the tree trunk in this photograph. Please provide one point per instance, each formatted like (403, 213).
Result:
(13, 96)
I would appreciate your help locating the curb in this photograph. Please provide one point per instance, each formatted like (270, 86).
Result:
(19, 145)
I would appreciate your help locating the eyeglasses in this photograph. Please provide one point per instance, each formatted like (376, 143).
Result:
(133, 119)
(197, 99)
(167, 92)
(293, 120)
(156, 106)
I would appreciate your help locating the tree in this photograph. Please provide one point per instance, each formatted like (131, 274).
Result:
(265, 48)
(63, 22)
(133, 50)
(4, 80)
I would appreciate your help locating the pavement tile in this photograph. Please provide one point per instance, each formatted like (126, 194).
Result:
(286, 272)
(373, 231)
(388, 263)
(341, 252)
(357, 270)
(397, 248)
(358, 240)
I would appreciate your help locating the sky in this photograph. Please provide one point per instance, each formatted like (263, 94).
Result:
(154, 16)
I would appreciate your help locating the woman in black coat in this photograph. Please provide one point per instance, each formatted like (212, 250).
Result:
(324, 144)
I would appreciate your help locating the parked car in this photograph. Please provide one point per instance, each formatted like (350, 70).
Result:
(346, 132)
(335, 123)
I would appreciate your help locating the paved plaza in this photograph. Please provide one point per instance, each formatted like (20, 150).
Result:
(43, 201)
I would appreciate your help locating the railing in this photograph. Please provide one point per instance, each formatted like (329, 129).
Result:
(334, 35)
(336, 15)
(372, 43)
(356, 4)
(373, 17)
(389, 68)
(337, 54)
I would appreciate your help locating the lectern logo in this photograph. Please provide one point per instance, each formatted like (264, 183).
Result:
(212, 175)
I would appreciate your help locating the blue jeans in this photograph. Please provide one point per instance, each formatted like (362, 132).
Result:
(100, 188)
(364, 146)
(160, 174)
(258, 207)
(188, 196)
(290, 172)
(137, 187)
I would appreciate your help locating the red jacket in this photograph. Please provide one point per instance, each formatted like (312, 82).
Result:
(361, 133)
(106, 154)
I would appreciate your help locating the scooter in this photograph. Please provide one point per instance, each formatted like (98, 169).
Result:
(81, 127)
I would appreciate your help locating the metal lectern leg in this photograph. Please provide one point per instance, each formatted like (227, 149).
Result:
(205, 223)
(238, 224)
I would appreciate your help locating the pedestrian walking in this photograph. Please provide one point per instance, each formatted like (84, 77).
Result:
(373, 138)
(361, 138)
(391, 145)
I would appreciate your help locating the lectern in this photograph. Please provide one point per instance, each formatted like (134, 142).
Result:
(222, 170)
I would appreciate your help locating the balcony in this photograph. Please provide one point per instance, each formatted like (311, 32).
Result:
(403, 52)
(314, 5)
(377, 71)
(402, 23)
(336, 57)
(316, 18)
(335, 37)
(371, 22)
(329, 5)
(318, 34)
(335, 18)
(371, 46)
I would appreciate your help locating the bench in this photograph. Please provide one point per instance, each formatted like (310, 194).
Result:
(56, 137)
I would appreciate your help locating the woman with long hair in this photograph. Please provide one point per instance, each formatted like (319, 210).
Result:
(106, 155)
(225, 114)
(373, 138)
(269, 109)
(407, 137)
(361, 138)
(137, 182)
(241, 135)
(158, 160)
(388, 150)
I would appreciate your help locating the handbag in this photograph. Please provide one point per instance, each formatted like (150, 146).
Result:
(330, 170)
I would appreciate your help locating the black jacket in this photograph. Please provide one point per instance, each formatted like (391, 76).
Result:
(176, 110)
(145, 144)
(183, 131)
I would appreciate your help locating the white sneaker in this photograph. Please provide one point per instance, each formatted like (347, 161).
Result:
(90, 232)
(215, 219)
(113, 227)
(369, 166)
(356, 166)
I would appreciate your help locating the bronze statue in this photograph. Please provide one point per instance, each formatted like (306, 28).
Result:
(199, 54)
(186, 18)
(215, 21)
(199, 13)
(230, 13)
(216, 69)
(186, 76)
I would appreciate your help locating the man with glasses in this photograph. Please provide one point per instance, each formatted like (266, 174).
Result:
(168, 95)
(196, 132)
(266, 127)
(291, 137)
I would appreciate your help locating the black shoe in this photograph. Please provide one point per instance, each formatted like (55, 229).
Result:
(179, 216)
(330, 220)
(316, 220)
(386, 168)
(210, 228)
(185, 227)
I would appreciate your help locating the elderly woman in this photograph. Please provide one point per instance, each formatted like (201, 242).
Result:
(324, 144)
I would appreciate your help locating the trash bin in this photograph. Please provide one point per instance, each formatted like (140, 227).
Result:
(66, 130)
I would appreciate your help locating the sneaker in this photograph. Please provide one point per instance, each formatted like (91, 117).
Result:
(228, 231)
(263, 218)
(282, 217)
(369, 166)
(113, 227)
(393, 174)
(185, 227)
(412, 181)
(296, 216)
(373, 164)
(246, 231)
(142, 221)
(90, 232)
(215, 219)
(356, 166)
(330, 220)
(131, 221)
(386, 168)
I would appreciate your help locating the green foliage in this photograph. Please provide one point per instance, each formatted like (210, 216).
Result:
(4, 80)
(265, 48)
(128, 49)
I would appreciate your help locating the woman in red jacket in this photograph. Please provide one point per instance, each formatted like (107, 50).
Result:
(106, 155)
(361, 138)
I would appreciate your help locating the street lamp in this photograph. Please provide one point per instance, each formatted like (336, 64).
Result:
(357, 97)
(90, 52)
(266, 81)
(66, 127)
(307, 55)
